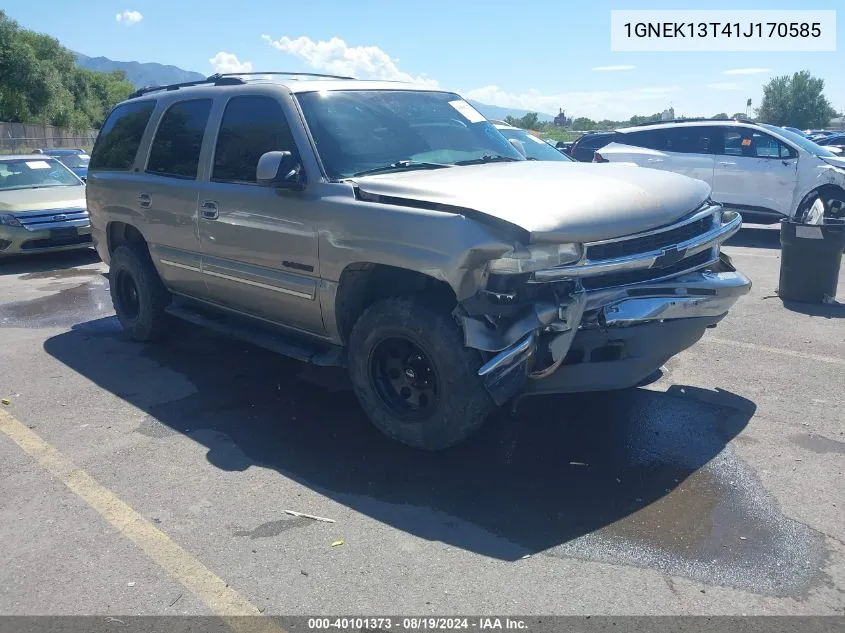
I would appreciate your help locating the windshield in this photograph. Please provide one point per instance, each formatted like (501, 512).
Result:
(360, 130)
(31, 173)
(535, 148)
(75, 160)
(804, 143)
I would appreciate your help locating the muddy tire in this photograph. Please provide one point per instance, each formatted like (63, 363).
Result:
(137, 293)
(414, 377)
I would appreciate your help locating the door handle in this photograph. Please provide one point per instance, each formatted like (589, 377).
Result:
(655, 160)
(209, 210)
(726, 164)
(145, 200)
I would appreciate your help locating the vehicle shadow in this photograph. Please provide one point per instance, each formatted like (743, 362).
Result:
(826, 310)
(47, 262)
(557, 469)
(756, 237)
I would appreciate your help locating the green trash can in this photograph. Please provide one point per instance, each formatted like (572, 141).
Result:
(811, 255)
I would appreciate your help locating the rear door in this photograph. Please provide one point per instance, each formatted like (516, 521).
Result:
(754, 171)
(167, 194)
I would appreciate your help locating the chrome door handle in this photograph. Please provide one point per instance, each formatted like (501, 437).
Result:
(655, 160)
(145, 200)
(209, 210)
(726, 164)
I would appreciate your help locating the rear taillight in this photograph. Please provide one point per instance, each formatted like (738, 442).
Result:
(598, 158)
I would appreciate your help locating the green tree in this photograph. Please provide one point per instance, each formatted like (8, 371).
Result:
(721, 115)
(797, 101)
(40, 82)
(530, 121)
(583, 123)
(739, 115)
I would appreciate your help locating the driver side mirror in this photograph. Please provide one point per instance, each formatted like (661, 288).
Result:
(280, 170)
(518, 145)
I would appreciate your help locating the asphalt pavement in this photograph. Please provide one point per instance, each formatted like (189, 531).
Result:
(155, 479)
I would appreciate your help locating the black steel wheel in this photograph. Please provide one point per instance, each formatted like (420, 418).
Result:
(137, 292)
(413, 376)
(404, 377)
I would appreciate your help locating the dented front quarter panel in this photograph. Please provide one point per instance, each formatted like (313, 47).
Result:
(817, 174)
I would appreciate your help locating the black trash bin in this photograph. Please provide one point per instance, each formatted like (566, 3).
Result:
(811, 255)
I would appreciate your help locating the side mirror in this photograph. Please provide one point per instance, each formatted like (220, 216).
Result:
(518, 145)
(280, 170)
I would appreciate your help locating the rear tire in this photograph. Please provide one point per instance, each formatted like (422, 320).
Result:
(414, 377)
(138, 294)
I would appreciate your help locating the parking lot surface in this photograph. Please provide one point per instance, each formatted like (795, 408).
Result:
(155, 479)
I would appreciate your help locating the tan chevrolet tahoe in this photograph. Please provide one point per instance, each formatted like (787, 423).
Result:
(392, 229)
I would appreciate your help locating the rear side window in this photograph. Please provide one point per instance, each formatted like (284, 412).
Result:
(649, 139)
(251, 126)
(119, 138)
(176, 147)
(688, 140)
(595, 141)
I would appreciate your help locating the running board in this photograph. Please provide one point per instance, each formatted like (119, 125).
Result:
(260, 335)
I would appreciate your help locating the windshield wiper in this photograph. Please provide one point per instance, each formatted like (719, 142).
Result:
(487, 158)
(401, 165)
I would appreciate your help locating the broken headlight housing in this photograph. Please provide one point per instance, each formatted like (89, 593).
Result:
(7, 219)
(527, 259)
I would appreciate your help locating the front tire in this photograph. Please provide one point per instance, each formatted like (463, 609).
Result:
(138, 294)
(414, 377)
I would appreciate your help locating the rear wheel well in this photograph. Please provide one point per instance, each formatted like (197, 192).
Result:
(120, 233)
(362, 284)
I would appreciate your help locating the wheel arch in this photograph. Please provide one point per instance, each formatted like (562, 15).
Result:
(363, 283)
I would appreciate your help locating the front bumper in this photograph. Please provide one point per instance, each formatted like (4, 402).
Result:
(18, 240)
(621, 335)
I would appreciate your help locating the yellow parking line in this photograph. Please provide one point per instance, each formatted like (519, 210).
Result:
(196, 577)
(775, 350)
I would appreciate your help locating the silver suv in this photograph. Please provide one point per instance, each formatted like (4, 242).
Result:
(392, 229)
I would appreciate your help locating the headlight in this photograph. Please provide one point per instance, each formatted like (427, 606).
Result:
(538, 257)
(9, 220)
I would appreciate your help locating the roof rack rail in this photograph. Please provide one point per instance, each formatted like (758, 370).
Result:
(690, 120)
(280, 72)
(214, 79)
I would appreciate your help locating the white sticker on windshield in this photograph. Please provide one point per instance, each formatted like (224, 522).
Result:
(38, 164)
(470, 114)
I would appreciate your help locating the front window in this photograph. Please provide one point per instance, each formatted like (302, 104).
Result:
(360, 130)
(34, 173)
(535, 148)
(804, 143)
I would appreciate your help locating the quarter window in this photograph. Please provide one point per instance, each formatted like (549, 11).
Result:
(119, 138)
(251, 126)
(176, 147)
(688, 140)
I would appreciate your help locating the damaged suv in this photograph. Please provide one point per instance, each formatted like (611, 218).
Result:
(392, 229)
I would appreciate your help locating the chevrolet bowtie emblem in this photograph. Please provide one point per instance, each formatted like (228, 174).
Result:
(669, 257)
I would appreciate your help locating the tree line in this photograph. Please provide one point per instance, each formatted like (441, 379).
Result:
(797, 100)
(41, 83)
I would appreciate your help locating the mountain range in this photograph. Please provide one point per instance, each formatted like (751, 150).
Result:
(142, 74)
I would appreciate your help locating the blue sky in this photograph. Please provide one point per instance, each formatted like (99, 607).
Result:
(540, 55)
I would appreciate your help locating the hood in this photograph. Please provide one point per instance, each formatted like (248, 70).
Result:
(553, 201)
(17, 200)
(835, 161)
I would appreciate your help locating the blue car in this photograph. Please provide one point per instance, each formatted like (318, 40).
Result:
(74, 159)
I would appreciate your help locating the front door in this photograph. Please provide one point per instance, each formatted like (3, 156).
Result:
(755, 172)
(259, 244)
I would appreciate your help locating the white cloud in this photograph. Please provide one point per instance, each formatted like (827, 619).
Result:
(599, 104)
(129, 17)
(747, 71)
(613, 68)
(224, 62)
(726, 86)
(337, 57)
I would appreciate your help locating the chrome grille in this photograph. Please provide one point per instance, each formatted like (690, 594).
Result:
(53, 219)
(650, 242)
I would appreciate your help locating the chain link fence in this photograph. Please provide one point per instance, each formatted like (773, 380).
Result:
(21, 138)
